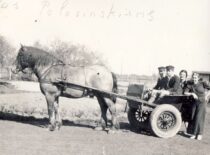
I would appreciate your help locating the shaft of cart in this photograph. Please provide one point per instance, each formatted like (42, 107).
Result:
(106, 93)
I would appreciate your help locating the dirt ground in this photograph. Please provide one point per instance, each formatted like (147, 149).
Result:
(26, 132)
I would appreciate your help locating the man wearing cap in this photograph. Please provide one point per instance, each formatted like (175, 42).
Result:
(161, 86)
(162, 82)
(174, 81)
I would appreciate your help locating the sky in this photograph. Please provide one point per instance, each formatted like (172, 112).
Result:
(134, 36)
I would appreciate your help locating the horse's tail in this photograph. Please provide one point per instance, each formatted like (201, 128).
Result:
(115, 88)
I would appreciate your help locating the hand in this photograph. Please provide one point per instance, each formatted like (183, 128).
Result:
(191, 94)
(188, 94)
(164, 93)
(194, 96)
(148, 89)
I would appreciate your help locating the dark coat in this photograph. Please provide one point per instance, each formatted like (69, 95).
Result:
(174, 85)
(162, 83)
(198, 89)
(184, 85)
(196, 125)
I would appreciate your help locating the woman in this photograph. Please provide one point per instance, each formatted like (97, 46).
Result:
(183, 80)
(197, 90)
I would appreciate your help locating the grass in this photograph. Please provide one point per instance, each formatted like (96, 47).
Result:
(7, 88)
(29, 104)
(34, 104)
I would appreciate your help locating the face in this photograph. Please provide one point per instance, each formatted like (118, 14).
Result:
(19, 65)
(195, 78)
(162, 73)
(170, 73)
(183, 76)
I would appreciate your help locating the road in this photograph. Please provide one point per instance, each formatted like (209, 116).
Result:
(32, 137)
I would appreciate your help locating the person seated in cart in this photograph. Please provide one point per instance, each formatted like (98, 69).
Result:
(173, 83)
(161, 85)
(170, 86)
(162, 80)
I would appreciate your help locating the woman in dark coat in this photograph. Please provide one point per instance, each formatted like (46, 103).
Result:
(183, 80)
(197, 90)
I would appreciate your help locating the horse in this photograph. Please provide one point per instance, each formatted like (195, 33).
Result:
(50, 70)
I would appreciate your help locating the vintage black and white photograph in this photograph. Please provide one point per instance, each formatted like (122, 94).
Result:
(104, 77)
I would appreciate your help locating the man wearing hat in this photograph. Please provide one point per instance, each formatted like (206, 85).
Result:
(161, 86)
(174, 81)
(162, 82)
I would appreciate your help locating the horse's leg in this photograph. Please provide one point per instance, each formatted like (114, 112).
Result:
(57, 113)
(112, 108)
(103, 107)
(51, 110)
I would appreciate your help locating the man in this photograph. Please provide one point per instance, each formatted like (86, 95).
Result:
(174, 81)
(161, 86)
(162, 82)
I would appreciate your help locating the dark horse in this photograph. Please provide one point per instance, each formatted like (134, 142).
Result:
(50, 70)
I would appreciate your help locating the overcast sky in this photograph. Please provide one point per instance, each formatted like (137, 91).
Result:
(135, 36)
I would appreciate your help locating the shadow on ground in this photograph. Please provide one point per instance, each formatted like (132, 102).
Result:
(39, 122)
(44, 122)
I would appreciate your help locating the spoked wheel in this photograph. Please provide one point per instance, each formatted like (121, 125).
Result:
(138, 119)
(165, 121)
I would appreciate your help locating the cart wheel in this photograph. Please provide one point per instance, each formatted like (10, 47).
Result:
(165, 121)
(138, 120)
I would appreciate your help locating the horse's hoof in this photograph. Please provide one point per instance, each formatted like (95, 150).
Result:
(112, 131)
(58, 125)
(57, 128)
(52, 128)
(99, 128)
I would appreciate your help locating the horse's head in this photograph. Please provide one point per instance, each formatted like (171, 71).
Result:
(22, 60)
(34, 59)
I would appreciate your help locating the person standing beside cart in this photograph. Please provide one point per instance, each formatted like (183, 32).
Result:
(183, 80)
(197, 90)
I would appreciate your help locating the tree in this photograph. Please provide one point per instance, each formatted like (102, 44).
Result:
(73, 54)
(6, 53)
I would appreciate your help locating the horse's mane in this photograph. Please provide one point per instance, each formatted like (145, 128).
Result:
(38, 56)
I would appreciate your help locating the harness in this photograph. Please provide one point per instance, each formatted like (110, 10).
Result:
(61, 81)
(44, 74)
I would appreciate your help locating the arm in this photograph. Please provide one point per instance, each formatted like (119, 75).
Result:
(157, 84)
(189, 92)
(206, 85)
(176, 85)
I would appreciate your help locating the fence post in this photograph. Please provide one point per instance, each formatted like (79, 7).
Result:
(10, 73)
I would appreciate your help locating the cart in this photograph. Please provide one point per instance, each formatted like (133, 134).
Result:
(164, 118)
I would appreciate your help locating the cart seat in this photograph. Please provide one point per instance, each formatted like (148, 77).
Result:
(136, 90)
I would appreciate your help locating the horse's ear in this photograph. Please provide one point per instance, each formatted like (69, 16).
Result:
(22, 47)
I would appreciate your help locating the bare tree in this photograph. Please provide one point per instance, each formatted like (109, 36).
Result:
(6, 53)
(74, 54)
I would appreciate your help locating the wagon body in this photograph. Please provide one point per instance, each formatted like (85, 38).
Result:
(165, 118)
(181, 102)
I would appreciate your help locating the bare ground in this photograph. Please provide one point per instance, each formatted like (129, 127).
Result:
(23, 131)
